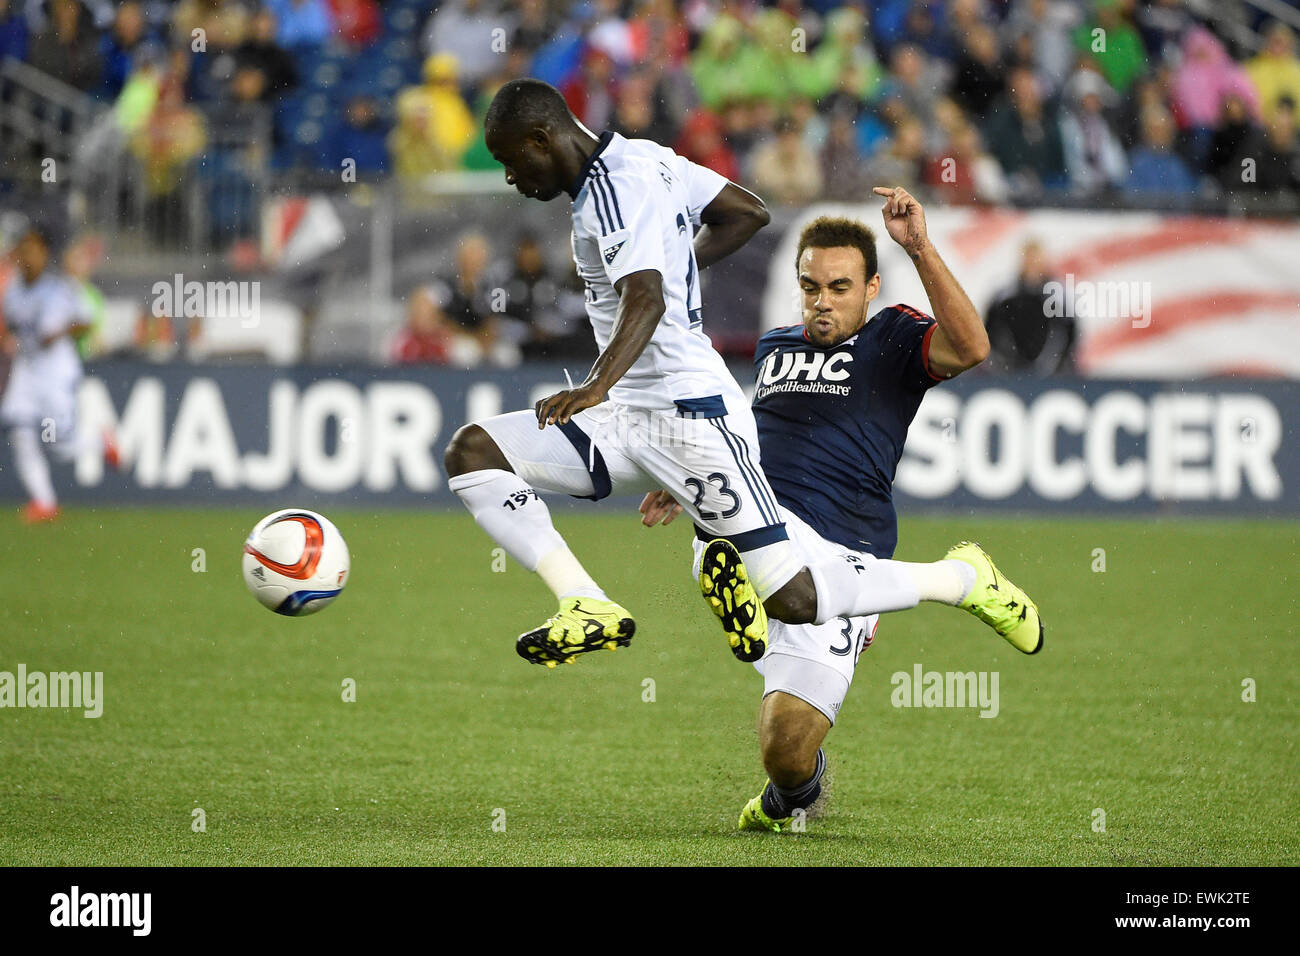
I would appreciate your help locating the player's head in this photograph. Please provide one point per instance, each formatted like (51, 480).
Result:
(32, 251)
(836, 269)
(527, 129)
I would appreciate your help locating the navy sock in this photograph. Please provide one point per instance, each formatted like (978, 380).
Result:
(780, 802)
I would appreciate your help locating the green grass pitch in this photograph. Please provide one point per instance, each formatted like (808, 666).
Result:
(211, 702)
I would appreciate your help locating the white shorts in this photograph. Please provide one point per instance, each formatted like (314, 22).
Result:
(40, 400)
(814, 662)
(704, 452)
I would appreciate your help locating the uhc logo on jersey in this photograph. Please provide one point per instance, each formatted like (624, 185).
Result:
(805, 367)
(798, 371)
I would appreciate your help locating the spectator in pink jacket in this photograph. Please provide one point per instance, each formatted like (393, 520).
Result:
(1204, 81)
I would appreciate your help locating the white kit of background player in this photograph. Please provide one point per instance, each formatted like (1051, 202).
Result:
(41, 314)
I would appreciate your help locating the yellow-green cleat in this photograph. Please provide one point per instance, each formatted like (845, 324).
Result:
(581, 625)
(753, 818)
(998, 602)
(725, 584)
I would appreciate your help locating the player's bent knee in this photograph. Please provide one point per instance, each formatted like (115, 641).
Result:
(795, 602)
(472, 449)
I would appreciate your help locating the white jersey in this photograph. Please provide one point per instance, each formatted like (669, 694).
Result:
(635, 206)
(46, 307)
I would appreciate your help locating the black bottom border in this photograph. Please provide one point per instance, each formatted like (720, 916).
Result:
(917, 905)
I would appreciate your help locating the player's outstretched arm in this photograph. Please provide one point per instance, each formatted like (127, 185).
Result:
(960, 341)
(640, 307)
(728, 221)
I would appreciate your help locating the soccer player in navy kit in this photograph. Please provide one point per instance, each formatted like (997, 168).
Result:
(834, 397)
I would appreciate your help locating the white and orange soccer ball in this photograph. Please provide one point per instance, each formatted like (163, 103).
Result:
(296, 562)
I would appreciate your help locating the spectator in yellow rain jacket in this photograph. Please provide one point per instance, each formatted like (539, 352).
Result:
(434, 126)
(1276, 71)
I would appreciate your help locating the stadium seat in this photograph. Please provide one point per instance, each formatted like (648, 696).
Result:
(401, 49)
(401, 19)
(327, 75)
(390, 80)
(309, 132)
(316, 105)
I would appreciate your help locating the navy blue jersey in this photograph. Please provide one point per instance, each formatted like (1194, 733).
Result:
(832, 422)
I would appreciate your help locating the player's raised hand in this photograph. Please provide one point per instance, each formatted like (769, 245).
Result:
(904, 219)
(560, 407)
(658, 505)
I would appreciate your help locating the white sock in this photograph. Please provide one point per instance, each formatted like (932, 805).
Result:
(566, 577)
(852, 589)
(946, 582)
(516, 518)
(33, 470)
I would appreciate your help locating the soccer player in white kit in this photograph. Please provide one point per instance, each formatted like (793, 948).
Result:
(659, 409)
(41, 317)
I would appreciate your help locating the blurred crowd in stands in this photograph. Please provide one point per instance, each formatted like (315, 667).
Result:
(1121, 103)
(500, 308)
(486, 310)
(490, 310)
(964, 101)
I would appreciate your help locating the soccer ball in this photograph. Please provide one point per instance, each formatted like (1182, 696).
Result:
(295, 562)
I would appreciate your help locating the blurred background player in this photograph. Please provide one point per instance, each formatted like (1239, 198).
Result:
(42, 316)
(80, 261)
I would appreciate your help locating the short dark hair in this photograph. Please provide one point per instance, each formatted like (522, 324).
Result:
(829, 232)
(525, 104)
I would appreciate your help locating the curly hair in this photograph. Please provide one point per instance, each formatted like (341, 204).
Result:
(828, 232)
